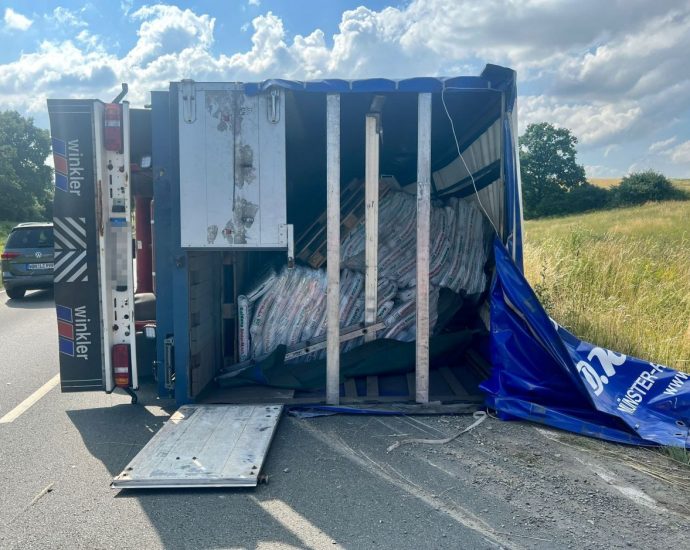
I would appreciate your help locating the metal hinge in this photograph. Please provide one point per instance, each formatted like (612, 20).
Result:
(169, 362)
(286, 235)
(188, 91)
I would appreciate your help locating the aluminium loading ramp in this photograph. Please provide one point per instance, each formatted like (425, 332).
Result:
(205, 446)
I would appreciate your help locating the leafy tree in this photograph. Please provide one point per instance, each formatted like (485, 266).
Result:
(25, 180)
(641, 187)
(549, 169)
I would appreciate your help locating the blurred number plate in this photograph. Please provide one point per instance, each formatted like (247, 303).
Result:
(39, 266)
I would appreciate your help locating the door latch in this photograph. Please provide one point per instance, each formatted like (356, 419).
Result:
(188, 92)
(274, 106)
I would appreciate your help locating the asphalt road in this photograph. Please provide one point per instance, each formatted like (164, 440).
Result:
(332, 482)
(59, 456)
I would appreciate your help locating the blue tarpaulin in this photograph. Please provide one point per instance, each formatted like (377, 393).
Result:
(541, 372)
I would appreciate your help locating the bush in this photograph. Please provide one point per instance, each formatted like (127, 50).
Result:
(642, 187)
(558, 201)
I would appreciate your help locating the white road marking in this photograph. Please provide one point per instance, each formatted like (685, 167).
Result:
(310, 535)
(638, 496)
(30, 401)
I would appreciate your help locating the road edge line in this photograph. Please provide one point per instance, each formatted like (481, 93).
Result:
(30, 401)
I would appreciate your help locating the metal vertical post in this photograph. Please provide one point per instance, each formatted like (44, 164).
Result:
(423, 224)
(333, 248)
(371, 178)
(499, 222)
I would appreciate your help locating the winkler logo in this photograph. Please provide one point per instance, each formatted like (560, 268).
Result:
(69, 172)
(73, 331)
(60, 162)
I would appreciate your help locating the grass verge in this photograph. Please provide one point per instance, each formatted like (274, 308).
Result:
(677, 454)
(619, 278)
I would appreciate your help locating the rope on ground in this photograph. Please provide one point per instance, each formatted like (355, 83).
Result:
(479, 417)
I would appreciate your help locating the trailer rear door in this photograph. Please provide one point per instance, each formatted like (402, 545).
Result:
(205, 446)
(93, 269)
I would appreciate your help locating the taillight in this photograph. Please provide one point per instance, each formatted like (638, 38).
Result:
(121, 365)
(8, 255)
(112, 127)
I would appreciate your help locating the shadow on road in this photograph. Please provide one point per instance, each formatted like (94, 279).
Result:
(182, 518)
(316, 497)
(37, 299)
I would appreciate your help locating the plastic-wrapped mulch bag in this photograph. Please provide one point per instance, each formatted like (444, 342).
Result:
(289, 307)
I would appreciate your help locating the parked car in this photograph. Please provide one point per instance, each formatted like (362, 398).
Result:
(27, 261)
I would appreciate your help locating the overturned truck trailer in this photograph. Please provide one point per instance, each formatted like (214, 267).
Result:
(352, 245)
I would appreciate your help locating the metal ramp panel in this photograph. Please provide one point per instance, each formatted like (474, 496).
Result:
(205, 446)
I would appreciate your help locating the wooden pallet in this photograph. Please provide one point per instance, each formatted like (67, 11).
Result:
(453, 396)
(311, 244)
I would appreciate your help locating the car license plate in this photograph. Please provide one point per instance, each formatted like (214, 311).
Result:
(39, 266)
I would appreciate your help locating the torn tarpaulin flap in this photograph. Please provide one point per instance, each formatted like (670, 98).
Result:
(542, 372)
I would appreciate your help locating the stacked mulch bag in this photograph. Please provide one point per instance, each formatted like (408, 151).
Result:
(289, 307)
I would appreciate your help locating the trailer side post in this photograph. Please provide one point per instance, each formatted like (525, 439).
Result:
(371, 177)
(423, 223)
(333, 248)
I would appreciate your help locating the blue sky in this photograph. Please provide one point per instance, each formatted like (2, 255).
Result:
(615, 72)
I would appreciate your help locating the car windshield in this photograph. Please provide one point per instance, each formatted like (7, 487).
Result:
(31, 237)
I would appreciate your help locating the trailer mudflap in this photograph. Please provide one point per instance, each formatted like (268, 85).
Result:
(205, 446)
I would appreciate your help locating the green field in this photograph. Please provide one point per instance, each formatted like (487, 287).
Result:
(607, 183)
(619, 278)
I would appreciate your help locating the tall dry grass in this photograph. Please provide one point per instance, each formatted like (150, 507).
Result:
(620, 278)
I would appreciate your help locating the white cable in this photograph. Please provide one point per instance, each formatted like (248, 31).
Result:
(479, 417)
(457, 145)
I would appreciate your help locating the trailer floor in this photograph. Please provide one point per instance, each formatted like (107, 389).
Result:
(452, 389)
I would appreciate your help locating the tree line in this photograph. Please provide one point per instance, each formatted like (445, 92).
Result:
(553, 183)
(26, 190)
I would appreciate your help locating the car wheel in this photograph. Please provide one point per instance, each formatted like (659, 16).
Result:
(16, 293)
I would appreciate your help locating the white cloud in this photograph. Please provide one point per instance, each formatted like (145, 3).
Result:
(65, 17)
(538, 37)
(268, 47)
(636, 64)
(680, 154)
(608, 150)
(611, 78)
(167, 30)
(91, 41)
(16, 21)
(660, 146)
(591, 123)
(254, 2)
(599, 171)
(126, 6)
(639, 166)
